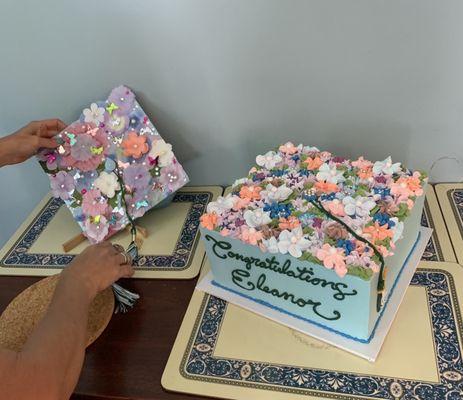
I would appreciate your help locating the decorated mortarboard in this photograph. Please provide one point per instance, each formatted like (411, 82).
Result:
(112, 166)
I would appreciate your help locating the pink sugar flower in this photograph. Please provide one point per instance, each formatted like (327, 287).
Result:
(250, 235)
(225, 232)
(84, 146)
(332, 257)
(250, 192)
(96, 230)
(361, 163)
(378, 232)
(289, 223)
(93, 203)
(336, 208)
(209, 221)
(288, 148)
(240, 203)
(407, 186)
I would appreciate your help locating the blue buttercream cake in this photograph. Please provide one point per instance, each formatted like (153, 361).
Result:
(318, 237)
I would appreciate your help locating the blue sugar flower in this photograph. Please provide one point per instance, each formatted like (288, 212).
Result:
(330, 196)
(295, 157)
(310, 197)
(278, 210)
(347, 245)
(278, 172)
(382, 191)
(304, 172)
(383, 219)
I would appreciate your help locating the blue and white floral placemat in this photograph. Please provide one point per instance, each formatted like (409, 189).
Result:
(172, 249)
(450, 196)
(226, 352)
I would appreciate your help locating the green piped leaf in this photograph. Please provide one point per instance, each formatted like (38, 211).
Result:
(361, 272)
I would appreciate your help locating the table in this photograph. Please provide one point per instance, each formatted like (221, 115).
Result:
(127, 361)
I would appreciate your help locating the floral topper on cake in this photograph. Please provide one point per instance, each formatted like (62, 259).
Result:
(111, 166)
(315, 206)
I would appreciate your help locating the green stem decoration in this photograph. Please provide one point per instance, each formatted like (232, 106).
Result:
(380, 288)
(132, 249)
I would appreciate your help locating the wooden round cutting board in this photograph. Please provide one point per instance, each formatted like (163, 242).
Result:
(27, 309)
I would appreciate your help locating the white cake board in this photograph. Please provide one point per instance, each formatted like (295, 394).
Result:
(370, 350)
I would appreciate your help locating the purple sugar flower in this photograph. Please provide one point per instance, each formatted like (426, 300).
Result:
(136, 176)
(61, 185)
(81, 150)
(123, 98)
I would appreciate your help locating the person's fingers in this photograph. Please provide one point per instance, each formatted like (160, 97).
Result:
(53, 126)
(44, 128)
(46, 143)
(126, 271)
(121, 258)
(118, 248)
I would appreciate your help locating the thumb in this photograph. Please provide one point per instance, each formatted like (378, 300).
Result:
(47, 143)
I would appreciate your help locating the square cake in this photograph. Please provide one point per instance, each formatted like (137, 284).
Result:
(111, 166)
(319, 237)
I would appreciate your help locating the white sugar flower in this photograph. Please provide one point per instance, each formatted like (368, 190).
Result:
(330, 174)
(94, 114)
(310, 149)
(239, 182)
(386, 167)
(271, 245)
(398, 229)
(222, 204)
(162, 150)
(256, 218)
(360, 206)
(268, 160)
(107, 184)
(274, 193)
(293, 242)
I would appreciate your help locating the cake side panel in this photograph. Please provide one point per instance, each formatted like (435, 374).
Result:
(395, 263)
(300, 288)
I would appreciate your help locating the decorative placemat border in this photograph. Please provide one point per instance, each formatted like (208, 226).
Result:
(16, 257)
(198, 361)
(450, 195)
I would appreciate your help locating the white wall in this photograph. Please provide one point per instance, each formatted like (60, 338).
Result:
(225, 80)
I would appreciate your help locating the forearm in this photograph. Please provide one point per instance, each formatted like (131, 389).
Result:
(53, 356)
(5, 152)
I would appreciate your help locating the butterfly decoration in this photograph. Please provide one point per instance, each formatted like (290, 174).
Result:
(111, 108)
(72, 138)
(153, 161)
(96, 150)
(122, 165)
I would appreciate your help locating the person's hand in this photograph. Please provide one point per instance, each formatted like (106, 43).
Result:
(99, 266)
(25, 142)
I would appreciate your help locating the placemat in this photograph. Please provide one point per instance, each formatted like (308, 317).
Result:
(439, 247)
(27, 309)
(227, 352)
(172, 250)
(450, 196)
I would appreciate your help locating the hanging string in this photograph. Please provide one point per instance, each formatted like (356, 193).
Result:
(380, 287)
(126, 299)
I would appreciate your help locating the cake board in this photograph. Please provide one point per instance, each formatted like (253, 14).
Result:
(450, 196)
(171, 251)
(225, 351)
